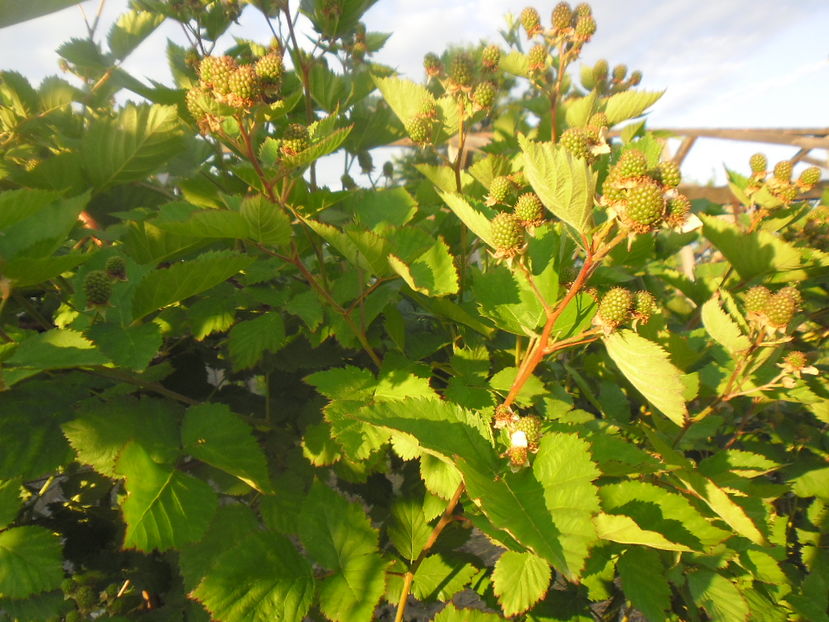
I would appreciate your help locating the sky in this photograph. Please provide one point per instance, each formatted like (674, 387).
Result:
(723, 63)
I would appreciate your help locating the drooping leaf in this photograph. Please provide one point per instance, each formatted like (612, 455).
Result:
(644, 582)
(623, 529)
(30, 561)
(520, 580)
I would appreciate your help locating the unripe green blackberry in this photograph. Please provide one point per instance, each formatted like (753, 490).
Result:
(779, 310)
(86, 597)
(576, 141)
(785, 192)
(645, 206)
(537, 57)
(758, 163)
(615, 307)
(531, 427)
(793, 293)
(619, 73)
(421, 130)
(116, 268)
(635, 78)
(633, 163)
(491, 57)
(519, 179)
(97, 287)
(72, 616)
(295, 139)
(583, 10)
(359, 50)
(644, 306)
(215, 72)
(269, 68)
(809, 177)
(599, 120)
(585, 28)
(499, 189)
(756, 298)
(562, 16)
(668, 174)
(365, 161)
(530, 20)
(600, 70)
(428, 109)
(193, 101)
(529, 209)
(783, 171)
(245, 84)
(795, 361)
(432, 65)
(484, 95)
(507, 234)
(677, 209)
(461, 73)
(347, 182)
(388, 170)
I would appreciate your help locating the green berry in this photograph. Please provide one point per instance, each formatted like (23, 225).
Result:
(507, 234)
(269, 68)
(758, 163)
(529, 209)
(365, 161)
(388, 170)
(97, 287)
(615, 307)
(786, 192)
(793, 293)
(245, 84)
(633, 163)
(531, 427)
(491, 57)
(537, 57)
(295, 139)
(644, 306)
(576, 141)
(461, 73)
(72, 616)
(359, 50)
(795, 360)
(530, 20)
(484, 95)
(432, 64)
(599, 120)
(215, 72)
(193, 101)
(756, 298)
(635, 78)
(116, 268)
(645, 206)
(562, 16)
(668, 174)
(421, 130)
(428, 109)
(779, 310)
(585, 28)
(600, 70)
(677, 210)
(783, 171)
(809, 177)
(619, 73)
(86, 597)
(583, 10)
(499, 189)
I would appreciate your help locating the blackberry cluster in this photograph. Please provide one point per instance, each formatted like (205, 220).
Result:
(772, 310)
(609, 82)
(780, 183)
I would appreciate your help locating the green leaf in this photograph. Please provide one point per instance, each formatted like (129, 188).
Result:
(564, 184)
(182, 280)
(363, 249)
(31, 561)
(249, 340)
(38, 230)
(130, 30)
(266, 222)
(648, 368)
(450, 613)
(213, 434)
(507, 299)
(27, 271)
(163, 508)
(629, 104)
(579, 110)
(403, 96)
(644, 582)
(348, 382)
(262, 579)
(12, 12)
(393, 206)
(319, 148)
(408, 530)
(623, 529)
(432, 273)
(520, 580)
(132, 347)
(440, 577)
(477, 221)
(340, 537)
(719, 597)
(516, 63)
(10, 501)
(722, 328)
(56, 349)
(139, 141)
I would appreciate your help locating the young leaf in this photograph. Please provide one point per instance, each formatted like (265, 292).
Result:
(722, 328)
(30, 561)
(649, 369)
(564, 184)
(520, 580)
(629, 104)
(643, 579)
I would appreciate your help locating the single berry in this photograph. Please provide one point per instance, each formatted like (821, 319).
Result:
(388, 170)
(530, 20)
(779, 310)
(295, 139)
(432, 65)
(193, 101)
(576, 141)
(583, 10)
(531, 427)
(529, 209)
(421, 130)
(499, 189)
(484, 95)
(619, 73)
(645, 206)
(507, 234)
(116, 268)
(599, 120)
(635, 78)
(269, 68)
(644, 306)
(758, 163)
(795, 361)
(359, 50)
(783, 170)
(428, 109)
(668, 174)
(461, 73)
(537, 57)
(632, 164)
(677, 210)
(245, 84)
(504, 417)
(491, 57)
(97, 287)
(215, 72)
(793, 293)
(585, 28)
(600, 70)
(348, 182)
(785, 192)
(809, 177)
(365, 161)
(562, 16)
(756, 298)
(616, 306)
(86, 597)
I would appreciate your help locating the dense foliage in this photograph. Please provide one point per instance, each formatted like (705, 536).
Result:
(528, 379)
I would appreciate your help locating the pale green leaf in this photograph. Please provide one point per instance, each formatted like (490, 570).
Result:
(629, 104)
(163, 508)
(506, 297)
(623, 529)
(31, 561)
(440, 577)
(318, 148)
(520, 580)
(515, 63)
(343, 383)
(648, 368)
(719, 597)
(579, 110)
(403, 96)
(722, 328)
(250, 339)
(363, 249)
(432, 273)
(644, 582)
(439, 475)
(477, 222)
(408, 530)
(565, 184)
(213, 434)
(130, 30)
